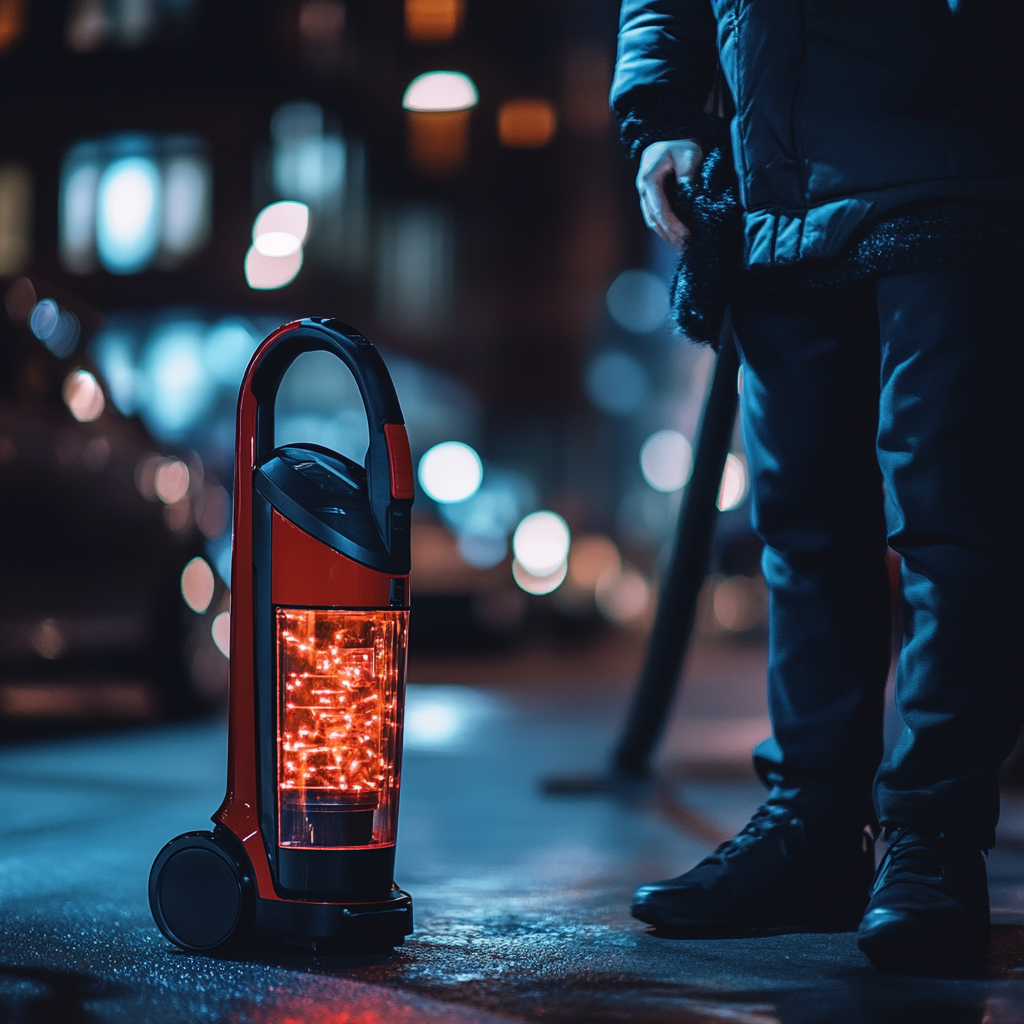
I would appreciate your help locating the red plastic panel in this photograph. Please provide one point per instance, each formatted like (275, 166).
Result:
(306, 572)
(400, 459)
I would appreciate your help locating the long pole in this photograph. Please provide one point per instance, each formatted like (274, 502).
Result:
(684, 577)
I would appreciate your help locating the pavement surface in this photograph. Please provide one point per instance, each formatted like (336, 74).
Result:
(521, 899)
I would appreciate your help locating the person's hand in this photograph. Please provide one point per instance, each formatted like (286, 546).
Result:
(679, 160)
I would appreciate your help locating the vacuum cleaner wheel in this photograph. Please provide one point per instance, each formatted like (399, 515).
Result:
(197, 892)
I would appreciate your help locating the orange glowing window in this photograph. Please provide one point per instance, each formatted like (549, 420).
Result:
(526, 123)
(433, 21)
(341, 676)
(12, 23)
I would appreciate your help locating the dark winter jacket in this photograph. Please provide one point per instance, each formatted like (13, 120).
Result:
(845, 109)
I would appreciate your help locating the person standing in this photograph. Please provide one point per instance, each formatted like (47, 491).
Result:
(877, 148)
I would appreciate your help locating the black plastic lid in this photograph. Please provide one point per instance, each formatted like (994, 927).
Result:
(326, 494)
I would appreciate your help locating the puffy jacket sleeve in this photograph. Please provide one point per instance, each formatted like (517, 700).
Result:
(664, 70)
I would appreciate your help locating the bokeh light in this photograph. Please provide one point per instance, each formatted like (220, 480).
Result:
(533, 583)
(739, 603)
(213, 511)
(638, 301)
(83, 396)
(735, 482)
(56, 328)
(616, 383)
(197, 584)
(440, 91)
(526, 122)
(135, 201)
(275, 257)
(228, 348)
(16, 212)
(445, 718)
(186, 210)
(78, 208)
(220, 630)
(433, 21)
(281, 229)
(484, 521)
(179, 388)
(541, 544)
(450, 471)
(171, 480)
(622, 596)
(666, 460)
(591, 558)
(265, 273)
(128, 214)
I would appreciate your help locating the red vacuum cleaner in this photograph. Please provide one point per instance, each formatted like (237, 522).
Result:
(303, 848)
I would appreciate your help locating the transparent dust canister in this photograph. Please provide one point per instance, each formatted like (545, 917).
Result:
(341, 697)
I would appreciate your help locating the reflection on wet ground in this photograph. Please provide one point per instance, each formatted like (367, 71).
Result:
(521, 899)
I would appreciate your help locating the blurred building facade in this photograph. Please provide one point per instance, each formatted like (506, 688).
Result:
(479, 224)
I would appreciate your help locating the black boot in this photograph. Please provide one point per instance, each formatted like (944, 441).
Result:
(929, 905)
(785, 872)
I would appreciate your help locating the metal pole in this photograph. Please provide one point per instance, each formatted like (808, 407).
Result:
(684, 577)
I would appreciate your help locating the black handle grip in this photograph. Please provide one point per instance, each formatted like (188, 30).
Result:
(375, 387)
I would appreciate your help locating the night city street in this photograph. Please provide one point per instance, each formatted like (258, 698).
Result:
(510, 510)
(521, 899)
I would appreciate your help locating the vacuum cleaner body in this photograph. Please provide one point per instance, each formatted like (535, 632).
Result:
(303, 847)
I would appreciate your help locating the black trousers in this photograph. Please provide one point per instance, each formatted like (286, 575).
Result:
(891, 412)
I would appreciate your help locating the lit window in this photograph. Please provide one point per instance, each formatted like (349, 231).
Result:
(308, 163)
(433, 21)
(132, 202)
(15, 216)
(128, 24)
(437, 123)
(526, 123)
(128, 201)
(186, 213)
(415, 268)
(320, 20)
(179, 385)
(12, 24)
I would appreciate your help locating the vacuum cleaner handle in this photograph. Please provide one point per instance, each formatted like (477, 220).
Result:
(388, 460)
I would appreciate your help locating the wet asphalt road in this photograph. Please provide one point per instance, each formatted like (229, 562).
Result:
(521, 900)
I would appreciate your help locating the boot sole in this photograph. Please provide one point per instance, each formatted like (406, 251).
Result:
(922, 954)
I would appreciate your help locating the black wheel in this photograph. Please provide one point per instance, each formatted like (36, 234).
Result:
(200, 895)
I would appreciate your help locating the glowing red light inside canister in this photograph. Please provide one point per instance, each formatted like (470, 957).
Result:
(341, 680)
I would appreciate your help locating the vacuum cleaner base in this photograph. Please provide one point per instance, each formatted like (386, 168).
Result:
(355, 928)
(203, 898)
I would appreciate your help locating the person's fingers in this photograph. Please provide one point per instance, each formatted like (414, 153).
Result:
(651, 220)
(659, 216)
(660, 163)
(665, 216)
